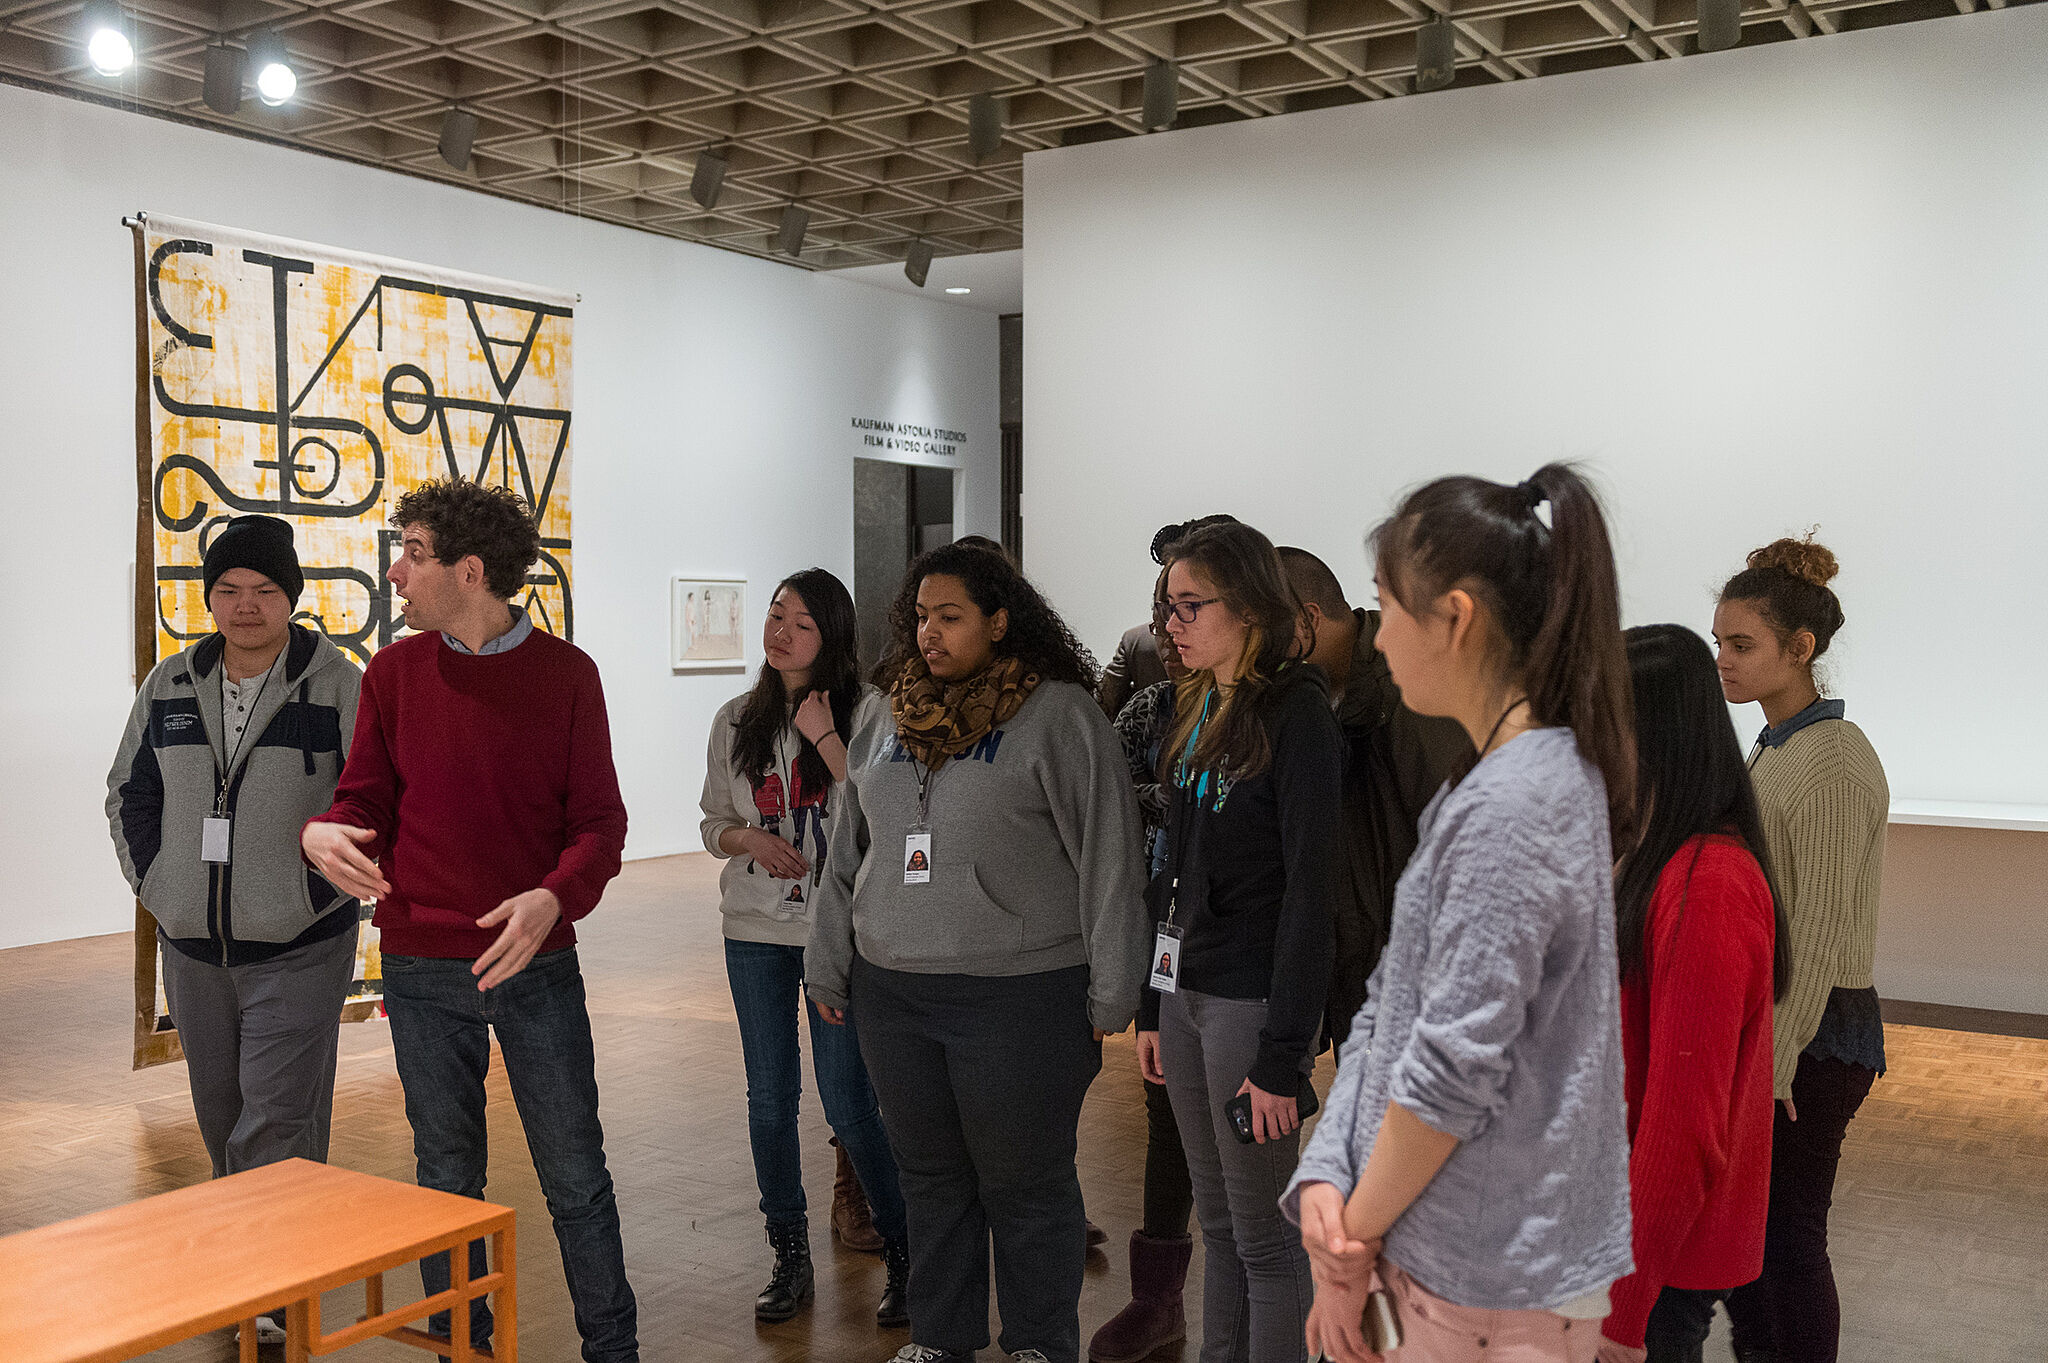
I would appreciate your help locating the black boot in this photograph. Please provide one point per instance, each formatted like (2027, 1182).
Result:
(894, 1312)
(793, 1285)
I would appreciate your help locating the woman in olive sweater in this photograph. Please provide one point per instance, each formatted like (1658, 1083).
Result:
(1824, 799)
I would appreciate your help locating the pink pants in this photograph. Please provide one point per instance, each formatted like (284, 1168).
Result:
(1437, 1331)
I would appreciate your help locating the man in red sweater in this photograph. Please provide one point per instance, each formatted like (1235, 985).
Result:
(480, 809)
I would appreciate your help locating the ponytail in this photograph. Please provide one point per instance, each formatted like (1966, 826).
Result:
(1553, 596)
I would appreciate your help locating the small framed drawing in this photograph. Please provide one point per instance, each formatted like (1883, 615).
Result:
(707, 621)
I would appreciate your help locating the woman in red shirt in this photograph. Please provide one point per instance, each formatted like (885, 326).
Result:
(1701, 932)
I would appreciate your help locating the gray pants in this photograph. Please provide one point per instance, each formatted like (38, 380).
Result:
(1256, 1288)
(260, 1049)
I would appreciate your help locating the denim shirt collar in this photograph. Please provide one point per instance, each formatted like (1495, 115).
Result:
(1775, 736)
(504, 643)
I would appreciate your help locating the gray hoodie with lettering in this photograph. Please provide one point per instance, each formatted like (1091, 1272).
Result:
(1036, 860)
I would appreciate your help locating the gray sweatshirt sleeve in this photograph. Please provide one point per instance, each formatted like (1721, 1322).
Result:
(1329, 1156)
(828, 958)
(1499, 908)
(720, 814)
(1089, 789)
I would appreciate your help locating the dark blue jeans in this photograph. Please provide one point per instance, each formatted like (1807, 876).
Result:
(441, 1033)
(768, 992)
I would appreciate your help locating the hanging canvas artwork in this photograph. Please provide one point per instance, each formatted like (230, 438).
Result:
(319, 385)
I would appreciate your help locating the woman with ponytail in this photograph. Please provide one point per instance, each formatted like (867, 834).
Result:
(772, 797)
(1825, 802)
(1243, 907)
(1474, 1158)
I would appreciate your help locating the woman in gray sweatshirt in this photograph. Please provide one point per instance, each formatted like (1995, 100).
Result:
(1474, 1157)
(981, 914)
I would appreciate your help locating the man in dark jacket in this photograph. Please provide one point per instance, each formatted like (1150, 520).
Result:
(230, 747)
(1394, 762)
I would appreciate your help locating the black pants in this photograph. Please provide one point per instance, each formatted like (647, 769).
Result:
(1791, 1313)
(1680, 1322)
(1169, 1194)
(981, 1081)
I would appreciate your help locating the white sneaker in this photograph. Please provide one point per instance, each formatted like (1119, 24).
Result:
(1028, 1356)
(920, 1353)
(269, 1330)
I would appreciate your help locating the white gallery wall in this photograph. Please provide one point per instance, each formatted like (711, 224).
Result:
(714, 396)
(1799, 284)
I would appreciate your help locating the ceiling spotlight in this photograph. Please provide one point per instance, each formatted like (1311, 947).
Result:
(1436, 54)
(789, 238)
(106, 39)
(1162, 95)
(1720, 25)
(223, 88)
(958, 288)
(708, 178)
(917, 266)
(276, 82)
(984, 125)
(458, 134)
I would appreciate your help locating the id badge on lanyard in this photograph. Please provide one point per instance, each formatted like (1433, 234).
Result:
(917, 842)
(1166, 943)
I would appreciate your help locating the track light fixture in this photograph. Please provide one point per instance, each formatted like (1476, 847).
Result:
(1436, 54)
(276, 82)
(709, 177)
(917, 266)
(984, 125)
(789, 238)
(223, 87)
(107, 44)
(1162, 95)
(458, 135)
(1720, 25)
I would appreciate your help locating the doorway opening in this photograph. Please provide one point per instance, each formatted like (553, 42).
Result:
(899, 511)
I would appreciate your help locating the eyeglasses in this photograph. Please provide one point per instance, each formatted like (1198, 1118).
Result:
(1187, 612)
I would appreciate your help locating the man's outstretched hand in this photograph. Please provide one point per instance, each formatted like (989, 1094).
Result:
(528, 919)
(335, 850)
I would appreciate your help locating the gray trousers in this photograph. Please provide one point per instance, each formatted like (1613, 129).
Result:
(1256, 1288)
(260, 1049)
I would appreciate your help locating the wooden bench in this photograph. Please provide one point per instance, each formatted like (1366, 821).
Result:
(120, 1282)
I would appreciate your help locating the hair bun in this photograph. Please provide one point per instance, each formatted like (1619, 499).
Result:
(1802, 558)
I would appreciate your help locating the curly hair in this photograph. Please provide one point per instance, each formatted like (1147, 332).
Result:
(465, 518)
(1037, 636)
(1787, 581)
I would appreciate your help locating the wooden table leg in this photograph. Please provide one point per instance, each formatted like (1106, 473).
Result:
(297, 1342)
(247, 1335)
(458, 1318)
(505, 1258)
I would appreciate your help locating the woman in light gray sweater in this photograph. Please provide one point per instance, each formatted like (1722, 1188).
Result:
(1474, 1157)
(981, 913)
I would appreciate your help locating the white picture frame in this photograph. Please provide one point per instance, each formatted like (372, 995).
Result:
(707, 624)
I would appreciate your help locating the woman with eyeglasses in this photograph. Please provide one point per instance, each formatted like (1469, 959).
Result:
(1243, 906)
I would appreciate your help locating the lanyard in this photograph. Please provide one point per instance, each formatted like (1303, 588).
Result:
(926, 778)
(220, 795)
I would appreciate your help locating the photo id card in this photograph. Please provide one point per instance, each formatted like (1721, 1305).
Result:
(917, 859)
(1166, 959)
(214, 839)
(794, 897)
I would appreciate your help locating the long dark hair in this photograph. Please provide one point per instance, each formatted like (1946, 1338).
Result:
(1037, 636)
(1551, 589)
(770, 707)
(1787, 581)
(1244, 568)
(1692, 782)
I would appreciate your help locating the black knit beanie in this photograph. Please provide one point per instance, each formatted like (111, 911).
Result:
(262, 543)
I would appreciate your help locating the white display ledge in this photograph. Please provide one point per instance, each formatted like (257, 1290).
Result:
(1969, 814)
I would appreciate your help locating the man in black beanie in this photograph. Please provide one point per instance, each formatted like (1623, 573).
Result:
(214, 778)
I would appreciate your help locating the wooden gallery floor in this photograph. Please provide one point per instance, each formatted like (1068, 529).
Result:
(1941, 1219)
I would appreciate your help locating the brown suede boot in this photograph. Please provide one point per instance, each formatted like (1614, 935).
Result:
(1154, 1319)
(852, 1222)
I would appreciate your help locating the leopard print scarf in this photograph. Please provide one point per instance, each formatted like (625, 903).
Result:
(936, 721)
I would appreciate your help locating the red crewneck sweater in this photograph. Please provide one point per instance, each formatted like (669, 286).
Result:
(1696, 1040)
(483, 777)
